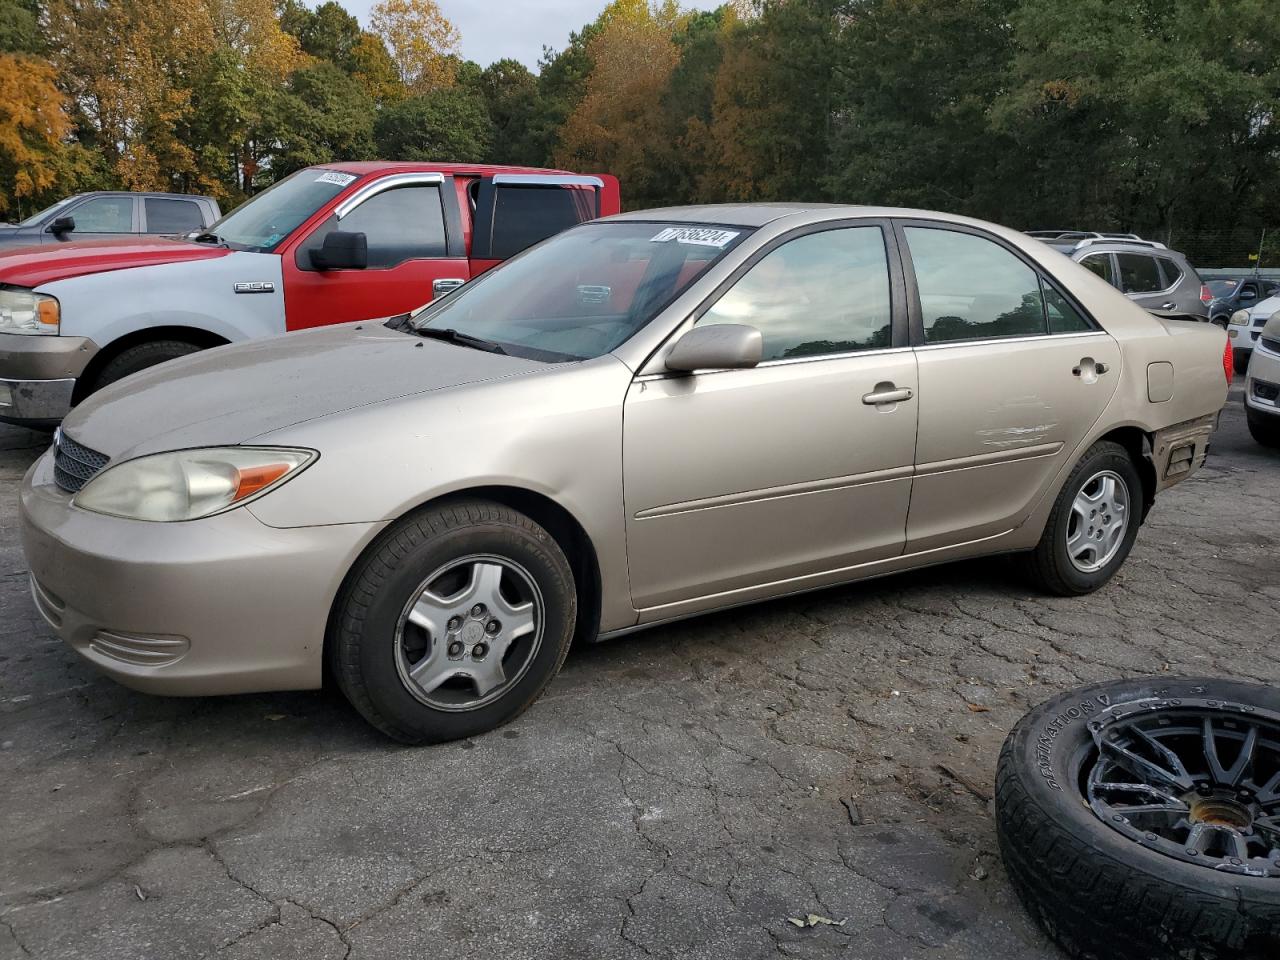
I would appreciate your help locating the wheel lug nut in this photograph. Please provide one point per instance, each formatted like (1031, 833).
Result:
(455, 648)
(479, 650)
(455, 623)
(493, 626)
(478, 610)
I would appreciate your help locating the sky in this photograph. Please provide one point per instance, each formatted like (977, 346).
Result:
(493, 29)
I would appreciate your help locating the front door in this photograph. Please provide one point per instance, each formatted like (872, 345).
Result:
(801, 465)
(1012, 377)
(416, 252)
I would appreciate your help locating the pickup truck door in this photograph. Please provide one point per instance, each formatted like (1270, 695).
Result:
(98, 218)
(416, 251)
(513, 211)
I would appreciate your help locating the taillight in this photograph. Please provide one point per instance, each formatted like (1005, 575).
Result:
(1228, 367)
(1205, 295)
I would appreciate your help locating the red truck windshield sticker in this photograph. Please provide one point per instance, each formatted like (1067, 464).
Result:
(333, 176)
(702, 236)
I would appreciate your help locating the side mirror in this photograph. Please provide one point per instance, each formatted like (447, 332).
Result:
(341, 251)
(62, 225)
(1248, 295)
(717, 346)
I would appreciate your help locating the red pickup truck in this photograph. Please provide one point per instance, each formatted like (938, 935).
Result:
(329, 244)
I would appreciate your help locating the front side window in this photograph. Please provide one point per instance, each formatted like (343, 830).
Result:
(171, 216)
(104, 215)
(261, 223)
(1139, 273)
(406, 223)
(972, 288)
(823, 293)
(583, 292)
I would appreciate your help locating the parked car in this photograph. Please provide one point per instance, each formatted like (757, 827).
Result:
(644, 418)
(111, 215)
(1149, 273)
(1244, 328)
(329, 244)
(1262, 386)
(1229, 294)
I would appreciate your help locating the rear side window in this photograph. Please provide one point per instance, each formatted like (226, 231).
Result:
(1172, 272)
(1062, 316)
(973, 289)
(1100, 263)
(402, 224)
(172, 216)
(104, 215)
(1139, 273)
(824, 293)
(513, 217)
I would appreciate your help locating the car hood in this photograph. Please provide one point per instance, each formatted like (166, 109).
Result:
(34, 266)
(1265, 308)
(233, 394)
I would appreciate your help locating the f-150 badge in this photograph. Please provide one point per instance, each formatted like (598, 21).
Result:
(256, 286)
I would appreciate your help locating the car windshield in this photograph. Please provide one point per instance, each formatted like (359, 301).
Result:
(37, 218)
(261, 223)
(584, 292)
(1222, 288)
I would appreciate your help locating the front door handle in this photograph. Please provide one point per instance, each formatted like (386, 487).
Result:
(886, 393)
(445, 284)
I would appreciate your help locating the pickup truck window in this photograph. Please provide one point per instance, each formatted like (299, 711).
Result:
(585, 291)
(524, 215)
(261, 223)
(402, 224)
(172, 216)
(104, 215)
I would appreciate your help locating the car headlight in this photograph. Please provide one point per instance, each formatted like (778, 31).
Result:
(1240, 318)
(189, 484)
(22, 311)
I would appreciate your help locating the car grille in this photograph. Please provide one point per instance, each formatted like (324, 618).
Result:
(74, 464)
(1266, 391)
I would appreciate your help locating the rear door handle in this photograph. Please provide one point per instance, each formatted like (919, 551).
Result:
(445, 284)
(1089, 366)
(1168, 306)
(886, 393)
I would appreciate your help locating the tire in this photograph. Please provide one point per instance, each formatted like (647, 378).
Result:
(1264, 428)
(1103, 894)
(139, 357)
(375, 646)
(1052, 567)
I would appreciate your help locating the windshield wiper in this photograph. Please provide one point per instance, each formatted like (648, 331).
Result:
(450, 335)
(207, 237)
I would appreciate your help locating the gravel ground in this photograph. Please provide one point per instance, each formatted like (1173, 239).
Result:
(676, 793)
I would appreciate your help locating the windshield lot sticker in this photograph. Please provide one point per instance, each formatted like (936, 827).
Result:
(333, 176)
(702, 236)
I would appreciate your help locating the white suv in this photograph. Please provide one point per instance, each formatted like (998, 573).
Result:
(1245, 327)
(1262, 384)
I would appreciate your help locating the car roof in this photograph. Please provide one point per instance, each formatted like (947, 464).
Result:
(140, 193)
(759, 214)
(362, 167)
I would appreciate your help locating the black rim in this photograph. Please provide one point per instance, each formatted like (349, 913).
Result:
(1193, 779)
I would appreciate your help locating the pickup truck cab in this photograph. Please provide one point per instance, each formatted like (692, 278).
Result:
(329, 244)
(111, 215)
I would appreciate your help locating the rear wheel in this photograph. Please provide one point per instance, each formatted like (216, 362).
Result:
(139, 357)
(1265, 429)
(454, 623)
(1093, 524)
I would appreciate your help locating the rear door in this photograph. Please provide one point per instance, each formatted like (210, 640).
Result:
(416, 251)
(513, 211)
(1145, 283)
(1012, 374)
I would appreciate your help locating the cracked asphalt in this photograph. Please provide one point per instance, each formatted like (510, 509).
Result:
(678, 793)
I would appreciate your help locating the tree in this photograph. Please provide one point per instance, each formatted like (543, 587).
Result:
(420, 40)
(511, 92)
(32, 127)
(331, 34)
(619, 125)
(445, 125)
(374, 70)
(19, 29)
(322, 115)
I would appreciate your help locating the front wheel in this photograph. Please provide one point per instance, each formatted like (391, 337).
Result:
(1093, 524)
(1263, 427)
(139, 357)
(453, 623)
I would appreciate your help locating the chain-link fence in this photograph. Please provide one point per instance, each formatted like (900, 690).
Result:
(1230, 250)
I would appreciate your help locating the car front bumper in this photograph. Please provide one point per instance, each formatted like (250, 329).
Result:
(38, 376)
(221, 605)
(1262, 382)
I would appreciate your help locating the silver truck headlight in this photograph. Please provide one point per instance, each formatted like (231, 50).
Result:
(22, 311)
(189, 484)
(1240, 318)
